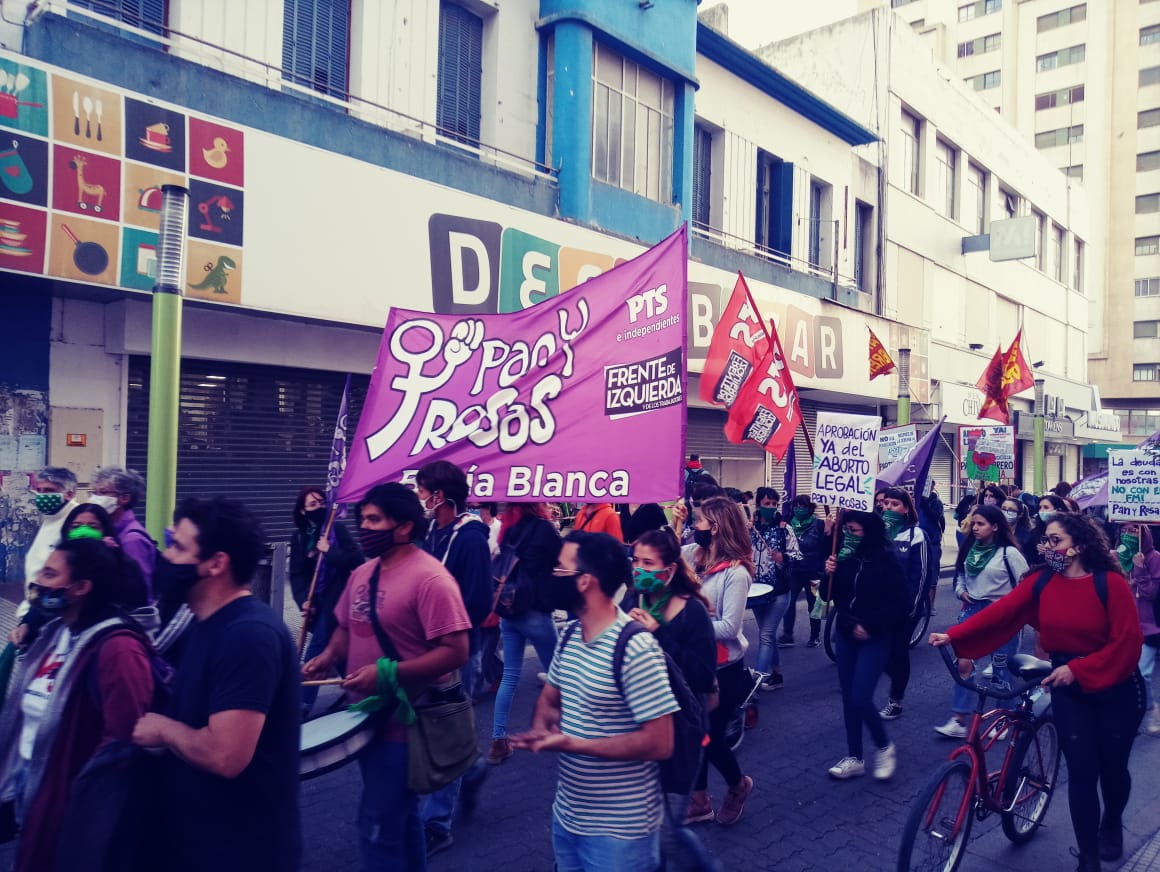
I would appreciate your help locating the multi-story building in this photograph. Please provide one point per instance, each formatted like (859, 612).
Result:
(1082, 81)
(439, 155)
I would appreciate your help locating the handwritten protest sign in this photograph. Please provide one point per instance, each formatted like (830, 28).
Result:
(1133, 486)
(894, 443)
(987, 453)
(846, 461)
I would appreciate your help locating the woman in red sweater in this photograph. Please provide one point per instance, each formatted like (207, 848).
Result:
(1097, 694)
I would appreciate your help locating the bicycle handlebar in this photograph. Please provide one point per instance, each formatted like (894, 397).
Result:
(991, 691)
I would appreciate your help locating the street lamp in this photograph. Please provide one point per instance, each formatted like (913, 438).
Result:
(1039, 447)
(903, 386)
(165, 362)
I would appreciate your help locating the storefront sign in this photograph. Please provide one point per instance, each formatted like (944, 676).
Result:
(529, 403)
(986, 454)
(846, 461)
(1134, 486)
(1053, 428)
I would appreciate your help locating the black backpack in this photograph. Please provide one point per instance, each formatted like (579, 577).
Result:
(1100, 579)
(679, 771)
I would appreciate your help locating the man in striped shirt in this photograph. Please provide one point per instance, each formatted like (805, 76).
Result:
(609, 808)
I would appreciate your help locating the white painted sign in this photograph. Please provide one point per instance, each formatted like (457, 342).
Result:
(1013, 238)
(1133, 486)
(895, 442)
(845, 462)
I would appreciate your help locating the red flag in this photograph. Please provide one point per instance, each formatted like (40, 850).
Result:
(880, 362)
(1017, 375)
(767, 410)
(739, 343)
(991, 384)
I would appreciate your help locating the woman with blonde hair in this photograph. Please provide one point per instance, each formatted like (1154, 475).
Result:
(722, 555)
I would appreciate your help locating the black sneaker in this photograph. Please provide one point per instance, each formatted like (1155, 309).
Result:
(774, 682)
(784, 641)
(814, 642)
(1111, 840)
(438, 840)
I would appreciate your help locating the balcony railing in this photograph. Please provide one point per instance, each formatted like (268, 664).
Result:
(274, 77)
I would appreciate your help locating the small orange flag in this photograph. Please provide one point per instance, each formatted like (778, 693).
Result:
(880, 362)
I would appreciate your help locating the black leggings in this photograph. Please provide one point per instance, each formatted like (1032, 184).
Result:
(898, 664)
(733, 684)
(1096, 731)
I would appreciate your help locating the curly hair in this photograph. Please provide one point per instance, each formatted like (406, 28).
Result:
(730, 539)
(1091, 545)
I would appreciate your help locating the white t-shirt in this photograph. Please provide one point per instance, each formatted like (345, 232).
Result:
(36, 696)
(493, 536)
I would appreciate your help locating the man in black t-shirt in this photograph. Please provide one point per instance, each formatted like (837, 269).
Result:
(230, 785)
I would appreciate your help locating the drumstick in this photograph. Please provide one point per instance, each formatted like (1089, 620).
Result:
(322, 682)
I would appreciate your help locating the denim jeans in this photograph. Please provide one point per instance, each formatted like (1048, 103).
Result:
(860, 664)
(1147, 664)
(769, 615)
(390, 834)
(576, 853)
(535, 627)
(963, 701)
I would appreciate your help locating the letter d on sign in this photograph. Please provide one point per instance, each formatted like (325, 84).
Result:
(464, 265)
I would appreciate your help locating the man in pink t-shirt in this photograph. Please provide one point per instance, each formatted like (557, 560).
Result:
(421, 610)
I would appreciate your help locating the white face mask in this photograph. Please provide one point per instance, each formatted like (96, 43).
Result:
(105, 501)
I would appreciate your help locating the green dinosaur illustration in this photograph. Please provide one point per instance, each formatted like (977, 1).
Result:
(216, 276)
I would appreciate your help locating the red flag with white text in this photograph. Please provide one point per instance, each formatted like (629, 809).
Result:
(738, 345)
(767, 410)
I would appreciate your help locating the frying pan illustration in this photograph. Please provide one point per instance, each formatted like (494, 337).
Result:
(90, 257)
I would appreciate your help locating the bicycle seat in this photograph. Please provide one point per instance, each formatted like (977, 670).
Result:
(1030, 668)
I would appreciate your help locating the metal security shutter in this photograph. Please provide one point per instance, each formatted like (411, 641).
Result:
(702, 173)
(458, 100)
(316, 44)
(741, 466)
(254, 433)
(150, 15)
(945, 468)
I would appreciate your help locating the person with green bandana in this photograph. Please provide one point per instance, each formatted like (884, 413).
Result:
(1140, 562)
(775, 551)
(805, 574)
(869, 604)
(988, 568)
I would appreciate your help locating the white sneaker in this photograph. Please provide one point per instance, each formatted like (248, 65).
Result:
(952, 729)
(848, 767)
(885, 762)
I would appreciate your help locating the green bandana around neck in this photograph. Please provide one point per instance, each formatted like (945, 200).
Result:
(850, 543)
(894, 521)
(1129, 545)
(979, 556)
(801, 520)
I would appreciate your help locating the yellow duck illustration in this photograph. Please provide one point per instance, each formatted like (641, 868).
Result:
(216, 157)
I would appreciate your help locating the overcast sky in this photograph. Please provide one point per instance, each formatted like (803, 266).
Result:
(757, 22)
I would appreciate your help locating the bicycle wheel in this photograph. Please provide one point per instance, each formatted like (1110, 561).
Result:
(828, 635)
(936, 831)
(1030, 780)
(921, 620)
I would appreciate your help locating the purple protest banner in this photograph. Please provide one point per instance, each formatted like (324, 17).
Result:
(580, 397)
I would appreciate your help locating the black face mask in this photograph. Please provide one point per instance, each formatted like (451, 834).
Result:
(376, 543)
(563, 593)
(317, 517)
(703, 538)
(174, 579)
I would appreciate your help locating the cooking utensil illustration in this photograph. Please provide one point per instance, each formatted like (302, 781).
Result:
(100, 109)
(21, 82)
(76, 114)
(89, 257)
(88, 104)
(14, 173)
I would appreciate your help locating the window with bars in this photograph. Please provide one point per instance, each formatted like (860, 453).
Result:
(702, 174)
(1062, 97)
(316, 45)
(459, 86)
(1145, 372)
(632, 126)
(1061, 136)
(1073, 54)
(147, 15)
(1061, 18)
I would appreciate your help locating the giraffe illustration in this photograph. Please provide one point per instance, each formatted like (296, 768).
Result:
(86, 189)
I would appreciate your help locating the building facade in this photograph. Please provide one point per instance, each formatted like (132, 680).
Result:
(1081, 81)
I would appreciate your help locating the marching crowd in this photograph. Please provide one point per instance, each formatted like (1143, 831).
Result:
(153, 704)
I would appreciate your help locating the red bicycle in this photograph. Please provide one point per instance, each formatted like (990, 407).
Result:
(965, 790)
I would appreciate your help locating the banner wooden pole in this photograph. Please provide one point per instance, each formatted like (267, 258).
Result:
(307, 613)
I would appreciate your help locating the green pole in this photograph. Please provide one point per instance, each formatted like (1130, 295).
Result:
(165, 363)
(903, 386)
(1040, 440)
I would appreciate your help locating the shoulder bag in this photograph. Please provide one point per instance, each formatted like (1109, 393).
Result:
(441, 743)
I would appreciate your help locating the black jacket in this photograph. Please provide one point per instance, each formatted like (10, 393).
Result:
(343, 557)
(815, 547)
(870, 589)
(462, 546)
(537, 543)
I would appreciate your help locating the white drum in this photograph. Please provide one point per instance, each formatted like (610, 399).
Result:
(333, 741)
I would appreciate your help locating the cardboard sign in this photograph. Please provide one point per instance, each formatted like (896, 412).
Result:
(1134, 486)
(846, 461)
(987, 453)
(895, 442)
